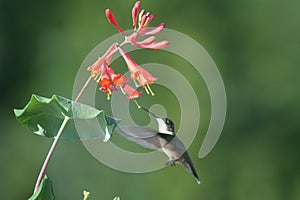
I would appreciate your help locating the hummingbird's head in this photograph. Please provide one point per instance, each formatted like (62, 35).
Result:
(165, 125)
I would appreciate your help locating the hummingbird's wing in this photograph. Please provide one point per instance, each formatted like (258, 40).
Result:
(143, 136)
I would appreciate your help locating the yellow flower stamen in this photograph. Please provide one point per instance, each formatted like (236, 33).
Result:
(97, 78)
(135, 83)
(108, 94)
(146, 23)
(145, 87)
(137, 104)
(86, 194)
(152, 93)
(122, 90)
(93, 74)
(140, 18)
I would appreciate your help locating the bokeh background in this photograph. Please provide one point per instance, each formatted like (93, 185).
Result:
(255, 44)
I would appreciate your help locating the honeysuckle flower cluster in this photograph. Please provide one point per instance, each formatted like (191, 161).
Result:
(104, 74)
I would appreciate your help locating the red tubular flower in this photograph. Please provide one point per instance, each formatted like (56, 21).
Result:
(117, 79)
(145, 30)
(97, 69)
(141, 14)
(105, 75)
(110, 81)
(150, 19)
(133, 37)
(155, 45)
(120, 80)
(111, 18)
(145, 19)
(135, 11)
(144, 77)
(156, 30)
(138, 73)
(148, 43)
(106, 85)
(131, 92)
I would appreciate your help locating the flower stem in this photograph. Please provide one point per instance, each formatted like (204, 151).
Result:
(42, 172)
(63, 125)
(83, 89)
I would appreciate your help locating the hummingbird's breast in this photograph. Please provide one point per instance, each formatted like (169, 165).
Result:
(174, 149)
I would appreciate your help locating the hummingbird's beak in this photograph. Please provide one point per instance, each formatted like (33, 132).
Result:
(149, 112)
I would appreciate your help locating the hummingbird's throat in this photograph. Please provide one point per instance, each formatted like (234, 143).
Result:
(162, 127)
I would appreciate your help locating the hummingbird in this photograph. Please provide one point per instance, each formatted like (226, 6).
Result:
(164, 140)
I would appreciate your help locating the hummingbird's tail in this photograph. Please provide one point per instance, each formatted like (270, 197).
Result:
(188, 165)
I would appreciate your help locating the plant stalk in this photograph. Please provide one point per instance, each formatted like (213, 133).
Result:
(83, 88)
(54, 144)
(63, 125)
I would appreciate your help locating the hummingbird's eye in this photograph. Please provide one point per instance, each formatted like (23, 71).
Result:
(167, 121)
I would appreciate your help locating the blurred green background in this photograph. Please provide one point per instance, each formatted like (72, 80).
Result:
(255, 44)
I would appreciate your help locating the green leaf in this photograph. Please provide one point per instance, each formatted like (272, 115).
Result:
(45, 190)
(44, 117)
